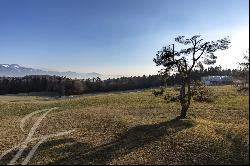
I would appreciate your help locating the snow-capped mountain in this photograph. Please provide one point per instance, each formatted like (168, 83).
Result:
(14, 70)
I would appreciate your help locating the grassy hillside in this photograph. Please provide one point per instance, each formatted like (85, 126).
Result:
(131, 128)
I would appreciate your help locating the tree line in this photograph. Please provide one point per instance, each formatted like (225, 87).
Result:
(66, 86)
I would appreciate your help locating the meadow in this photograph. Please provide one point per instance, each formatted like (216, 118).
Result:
(130, 128)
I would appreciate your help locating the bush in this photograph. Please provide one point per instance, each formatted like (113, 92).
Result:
(201, 93)
(243, 88)
(168, 96)
(158, 92)
(171, 97)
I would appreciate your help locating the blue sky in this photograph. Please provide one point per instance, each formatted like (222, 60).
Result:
(114, 36)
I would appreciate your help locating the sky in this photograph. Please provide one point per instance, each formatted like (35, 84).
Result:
(115, 37)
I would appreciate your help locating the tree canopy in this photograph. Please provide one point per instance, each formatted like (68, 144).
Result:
(184, 61)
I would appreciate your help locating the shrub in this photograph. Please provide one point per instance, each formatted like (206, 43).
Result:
(201, 93)
(243, 88)
(158, 92)
(171, 97)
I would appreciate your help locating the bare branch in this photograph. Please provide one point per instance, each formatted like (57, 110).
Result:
(196, 59)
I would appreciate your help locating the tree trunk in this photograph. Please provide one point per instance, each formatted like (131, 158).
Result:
(185, 97)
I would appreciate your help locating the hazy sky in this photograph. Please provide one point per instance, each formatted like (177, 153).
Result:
(114, 36)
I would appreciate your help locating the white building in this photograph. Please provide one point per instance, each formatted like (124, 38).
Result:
(216, 80)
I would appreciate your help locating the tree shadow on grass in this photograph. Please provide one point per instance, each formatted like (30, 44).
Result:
(69, 151)
(69, 144)
(124, 144)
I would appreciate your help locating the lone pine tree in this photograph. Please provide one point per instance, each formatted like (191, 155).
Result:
(195, 52)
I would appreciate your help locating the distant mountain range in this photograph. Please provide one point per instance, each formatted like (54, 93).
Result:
(15, 70)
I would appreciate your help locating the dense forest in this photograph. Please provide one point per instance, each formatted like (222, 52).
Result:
(65, 86)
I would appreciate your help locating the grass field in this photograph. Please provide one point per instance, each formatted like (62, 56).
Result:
(130, 128)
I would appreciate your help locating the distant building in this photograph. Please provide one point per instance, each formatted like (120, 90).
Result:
(217, 80)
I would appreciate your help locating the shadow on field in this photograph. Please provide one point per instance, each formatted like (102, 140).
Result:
(124, 144)
(68, 151)
(71, 147)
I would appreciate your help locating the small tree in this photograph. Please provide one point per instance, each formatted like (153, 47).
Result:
(245, 66)
(185, 60)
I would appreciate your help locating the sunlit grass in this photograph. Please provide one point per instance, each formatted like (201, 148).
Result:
(133, 128)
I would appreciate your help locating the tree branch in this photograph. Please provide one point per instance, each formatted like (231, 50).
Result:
(196, 59)
(205, 45)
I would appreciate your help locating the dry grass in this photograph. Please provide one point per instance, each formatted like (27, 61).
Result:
(132, 128)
